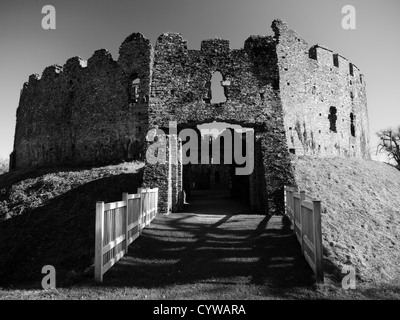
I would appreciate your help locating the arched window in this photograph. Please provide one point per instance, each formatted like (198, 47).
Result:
(352, 126)
(134, 88)
(217, 90)
(332, 119)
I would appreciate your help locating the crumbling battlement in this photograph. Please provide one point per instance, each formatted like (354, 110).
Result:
(306, 99)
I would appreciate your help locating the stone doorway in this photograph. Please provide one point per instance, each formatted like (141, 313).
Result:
(214, 174)
(262, 188)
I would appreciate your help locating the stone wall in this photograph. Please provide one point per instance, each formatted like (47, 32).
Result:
(312, 80)
(181, 81)
(167, 176)
(84, 112)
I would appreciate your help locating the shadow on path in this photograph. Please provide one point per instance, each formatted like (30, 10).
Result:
(217, 243)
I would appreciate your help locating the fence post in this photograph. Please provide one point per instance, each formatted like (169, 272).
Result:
(302, 198)
(99, 236)
(146, 217)
(285, 199)
(148, 207)
(125, 198)
(318, 241)
(146, 211)
(145, 195)
(156, 202)
(143, 221)
(140, 209)
(152, 201)
(291, 193)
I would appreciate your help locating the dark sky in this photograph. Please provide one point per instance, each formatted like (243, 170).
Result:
(87, 25)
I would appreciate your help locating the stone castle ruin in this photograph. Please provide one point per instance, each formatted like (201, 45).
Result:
(297, 98)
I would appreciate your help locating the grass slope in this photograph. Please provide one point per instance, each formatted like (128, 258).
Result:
(48, 218)
(361, 213)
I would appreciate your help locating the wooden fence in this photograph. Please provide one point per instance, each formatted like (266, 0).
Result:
(118, 224)
(305, 215)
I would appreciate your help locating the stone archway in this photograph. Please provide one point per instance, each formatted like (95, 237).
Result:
(272, 170)
(215, 171)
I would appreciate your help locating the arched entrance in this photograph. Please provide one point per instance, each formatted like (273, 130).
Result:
(221, 150)
(262, 189)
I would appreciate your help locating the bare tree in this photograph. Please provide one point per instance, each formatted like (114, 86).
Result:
(390, 144)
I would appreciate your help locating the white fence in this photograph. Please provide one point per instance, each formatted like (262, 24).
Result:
(306, 218)
(118, 224)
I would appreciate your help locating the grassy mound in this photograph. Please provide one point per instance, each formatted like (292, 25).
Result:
(48, 218)
(360, 213)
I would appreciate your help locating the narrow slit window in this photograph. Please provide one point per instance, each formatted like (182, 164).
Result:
(336, 60)
(352, 126)
(351, 69)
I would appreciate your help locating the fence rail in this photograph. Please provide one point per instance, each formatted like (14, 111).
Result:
(120, 223)
(305, 215)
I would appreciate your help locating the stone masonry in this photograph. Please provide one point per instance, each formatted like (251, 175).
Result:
(297, 98)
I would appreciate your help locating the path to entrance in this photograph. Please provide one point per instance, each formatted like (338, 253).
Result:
(215, 250)
(215, 202)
